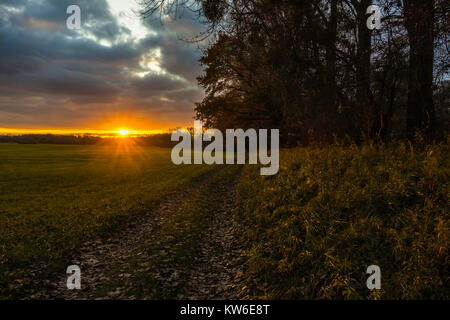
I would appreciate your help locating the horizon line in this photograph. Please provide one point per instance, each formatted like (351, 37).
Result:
(14, 131)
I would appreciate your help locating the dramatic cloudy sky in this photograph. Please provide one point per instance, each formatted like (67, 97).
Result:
(116, 72)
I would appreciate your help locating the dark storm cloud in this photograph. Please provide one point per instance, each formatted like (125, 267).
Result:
(14, 3)
(156, 83)
(50, 75)
(96, 17)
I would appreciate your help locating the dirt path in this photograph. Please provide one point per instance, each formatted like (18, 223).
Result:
(113, 268)
(218, 268)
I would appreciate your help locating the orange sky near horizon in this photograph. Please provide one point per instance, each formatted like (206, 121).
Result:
(111, 125)
(9, 131)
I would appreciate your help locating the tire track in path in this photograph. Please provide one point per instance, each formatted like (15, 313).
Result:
(217, 272)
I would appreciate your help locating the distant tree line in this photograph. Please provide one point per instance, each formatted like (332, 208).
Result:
(156, 140)
(49, 139)
(315, 70)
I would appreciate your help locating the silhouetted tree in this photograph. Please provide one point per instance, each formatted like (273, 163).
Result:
(419, 21)
(315, 70)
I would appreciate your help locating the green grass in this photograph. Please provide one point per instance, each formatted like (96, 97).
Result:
(332, 211)
(53, 197)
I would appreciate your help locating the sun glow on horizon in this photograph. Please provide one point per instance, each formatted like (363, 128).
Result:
(123, 132)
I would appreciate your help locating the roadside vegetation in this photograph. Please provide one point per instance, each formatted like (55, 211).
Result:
(332, 211)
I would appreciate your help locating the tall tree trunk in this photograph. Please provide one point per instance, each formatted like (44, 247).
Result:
(331, 114)
(363, 92)
(331, 56)
(421, 115)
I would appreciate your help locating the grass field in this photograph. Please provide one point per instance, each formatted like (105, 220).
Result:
(53, 197)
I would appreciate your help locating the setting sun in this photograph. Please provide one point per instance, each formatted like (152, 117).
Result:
(123, 132)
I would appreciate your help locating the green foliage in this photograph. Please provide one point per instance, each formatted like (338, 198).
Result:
(333, 211)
